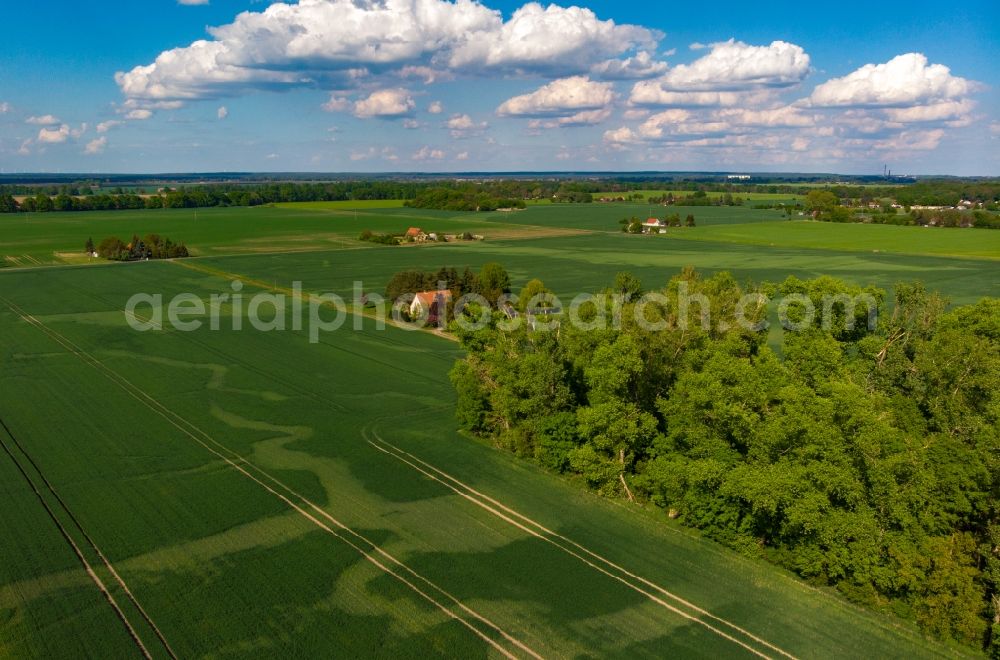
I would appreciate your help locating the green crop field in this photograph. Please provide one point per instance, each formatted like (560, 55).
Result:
(252, 493)
(856, 237)
(347, 204)
(58, 238)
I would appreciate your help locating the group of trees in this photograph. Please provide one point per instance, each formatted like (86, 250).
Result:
(634, 225)
(491, 282)
(865, 459)
(153, 246)
(383, 239)
(471, 198)
(563, 196)
(698, 198)
(825, 206)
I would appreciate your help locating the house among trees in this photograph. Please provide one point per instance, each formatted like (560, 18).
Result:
(416, 234)
(654, 226)
(433, 304)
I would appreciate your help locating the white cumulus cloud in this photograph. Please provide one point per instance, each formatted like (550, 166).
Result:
(940, 111)
(385, 153)
(582, 118)
(916, 140)
(651, 93)
(462, 125)
(733, 65)
(905, 80)
(338, 103)
(623, 135)
(386, 103)
(641, 65)
(692, 125)
(426, 153)
(106, 126)
(781, 117)
(550, 40)
(435, 108)
(429, 75)
(96, 146)
(43, 120)
(563, 97)
(336, 43)
(54, 135)
(731, 74)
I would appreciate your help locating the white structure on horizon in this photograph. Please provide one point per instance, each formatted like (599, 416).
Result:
(738, 177)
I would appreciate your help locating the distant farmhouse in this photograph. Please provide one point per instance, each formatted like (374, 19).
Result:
(431, 304)
(654, 226)
(416, 234)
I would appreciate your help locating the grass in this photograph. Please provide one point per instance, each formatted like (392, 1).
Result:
(142, 434)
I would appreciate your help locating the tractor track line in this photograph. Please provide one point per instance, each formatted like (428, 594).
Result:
(76, 549)
(107, 563)
(506, 513)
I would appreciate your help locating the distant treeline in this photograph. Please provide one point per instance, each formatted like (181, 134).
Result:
(207, 196)
(471, 198)
(466, 195)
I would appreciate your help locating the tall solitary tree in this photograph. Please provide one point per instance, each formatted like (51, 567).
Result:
(492, 282)
(627, 285)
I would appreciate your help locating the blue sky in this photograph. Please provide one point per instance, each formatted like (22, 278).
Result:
(428, 85)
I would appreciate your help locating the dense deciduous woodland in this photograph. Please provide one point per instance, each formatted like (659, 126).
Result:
(863, 459)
